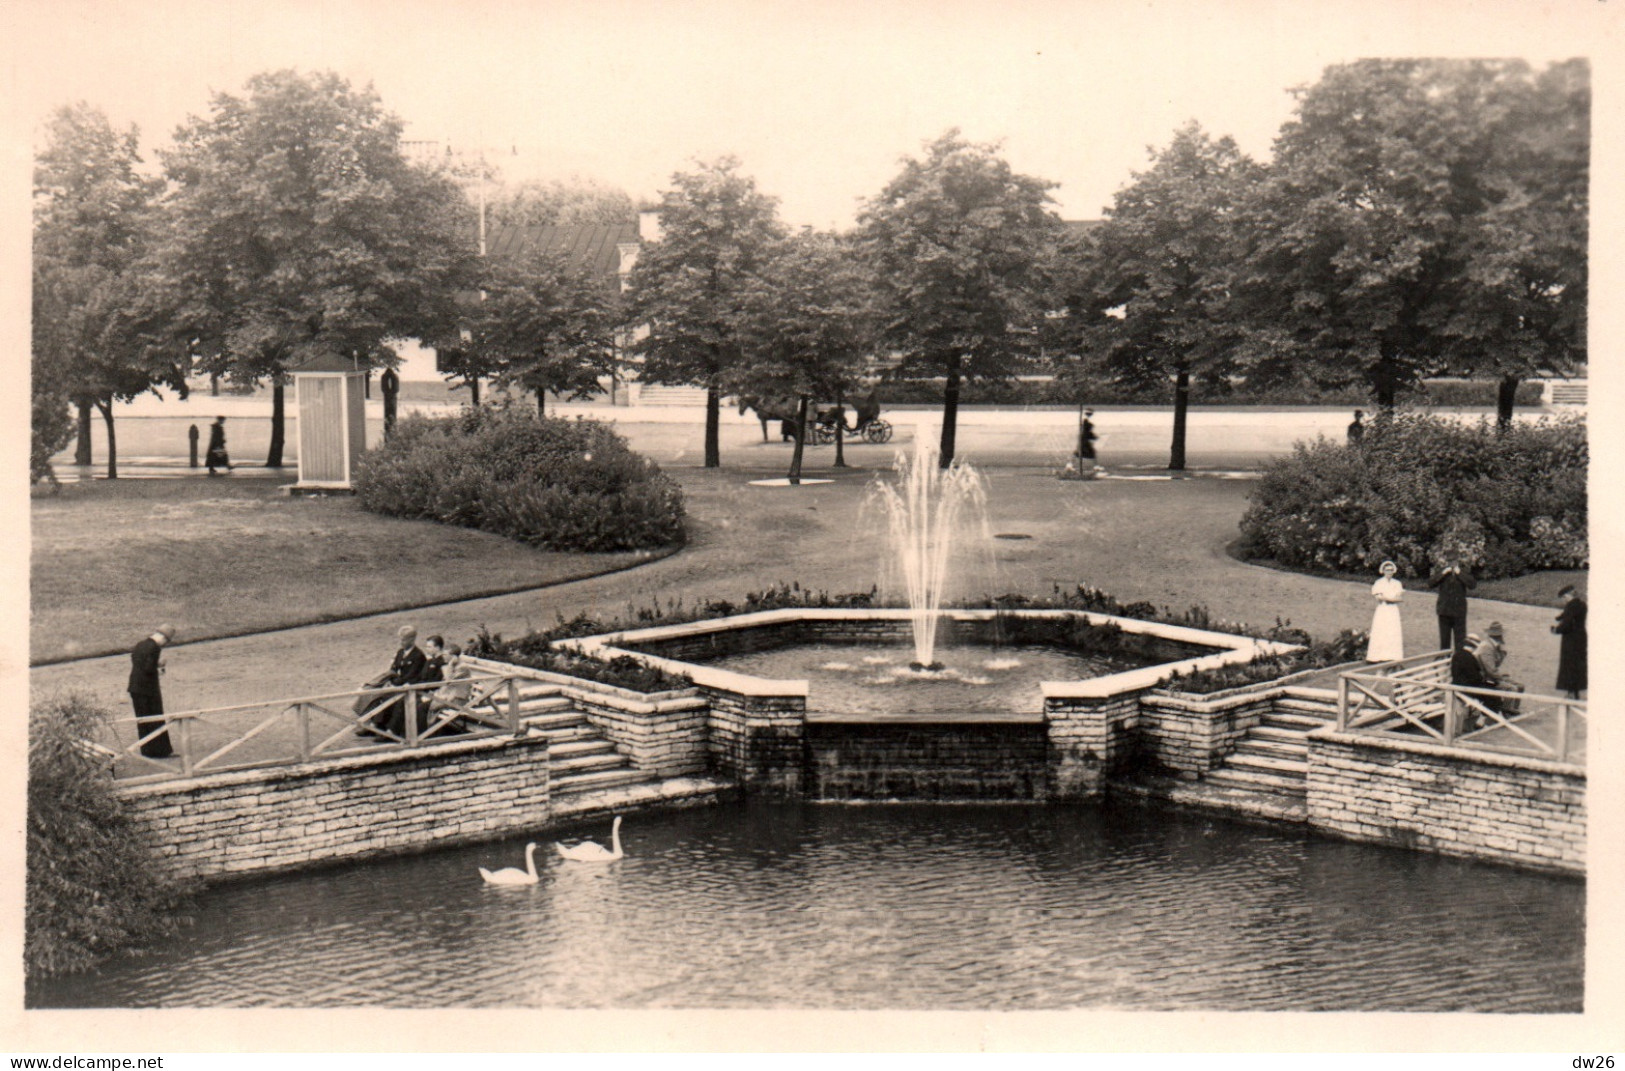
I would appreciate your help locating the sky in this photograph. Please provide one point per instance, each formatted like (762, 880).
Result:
(820, 101)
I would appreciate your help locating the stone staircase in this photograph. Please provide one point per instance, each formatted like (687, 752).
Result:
(1272, 759)
(582, 759)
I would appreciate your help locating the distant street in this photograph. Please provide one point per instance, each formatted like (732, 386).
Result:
(154, 431)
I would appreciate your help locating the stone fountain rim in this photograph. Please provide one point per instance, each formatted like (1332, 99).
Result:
(1230, 648)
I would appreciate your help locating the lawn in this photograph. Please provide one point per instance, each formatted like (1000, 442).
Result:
(113, 559)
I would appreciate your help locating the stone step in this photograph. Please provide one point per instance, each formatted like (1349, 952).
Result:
(1300, 722)
(1258, 781)
(1321, 712)
(1298, 768)
(1296, 750)
(589, 745)
(566, 784)
(1293, 737)
(582, 763)
(558, 720)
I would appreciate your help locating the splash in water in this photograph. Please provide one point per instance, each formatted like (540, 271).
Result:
(923, 510)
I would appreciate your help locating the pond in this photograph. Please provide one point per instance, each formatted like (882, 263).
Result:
(853, 679)
(899, 906)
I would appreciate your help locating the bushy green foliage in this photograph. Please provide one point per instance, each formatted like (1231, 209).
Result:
(554, 484)
(536, 651)
(1347, 646)
(94, 884)
(1421, 490)
(52, 427)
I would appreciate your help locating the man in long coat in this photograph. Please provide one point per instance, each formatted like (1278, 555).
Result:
(1451, 606)
(1571, 655)
(146, 694)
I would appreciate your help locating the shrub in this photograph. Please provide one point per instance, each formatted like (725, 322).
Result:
(1347, 646)
(94, 883)
(1062, 392)
(554, 484)
(1424, 489)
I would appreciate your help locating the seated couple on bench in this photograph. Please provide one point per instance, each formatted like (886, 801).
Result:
(1477, 664)
(432, 663)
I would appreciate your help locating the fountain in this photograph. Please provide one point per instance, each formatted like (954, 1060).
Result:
(923, 512)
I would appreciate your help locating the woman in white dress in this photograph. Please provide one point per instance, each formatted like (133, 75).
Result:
(1387, 639)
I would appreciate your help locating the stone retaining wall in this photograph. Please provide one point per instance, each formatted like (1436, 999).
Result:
(757, 740)
(847, 760)
(287, 817)
(1418, 795)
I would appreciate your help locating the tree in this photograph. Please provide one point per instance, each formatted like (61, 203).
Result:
(1360, 257)
(685, 289)
(563, 202)
(92, 226)
(1521, 303)
(958, 241)
(1159, 269)
(298, 229)
(806, 321)
(545, 325)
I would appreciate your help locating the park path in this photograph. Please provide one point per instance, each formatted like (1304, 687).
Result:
(1159, 541)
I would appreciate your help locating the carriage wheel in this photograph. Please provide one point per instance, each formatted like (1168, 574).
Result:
(877, 431)
(823, 434)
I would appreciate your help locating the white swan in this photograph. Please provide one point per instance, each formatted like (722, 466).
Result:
(513, 875)
(588, 852)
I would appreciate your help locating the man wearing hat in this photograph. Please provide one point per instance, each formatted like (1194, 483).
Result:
(146, 666)
(1492, 652)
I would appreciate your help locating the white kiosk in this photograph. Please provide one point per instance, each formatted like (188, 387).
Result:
(331, 396)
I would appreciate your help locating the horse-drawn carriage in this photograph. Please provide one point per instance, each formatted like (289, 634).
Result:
(822, 423)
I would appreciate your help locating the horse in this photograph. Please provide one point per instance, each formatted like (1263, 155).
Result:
(783, 410)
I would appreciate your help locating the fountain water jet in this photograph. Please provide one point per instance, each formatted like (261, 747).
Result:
(923, 511)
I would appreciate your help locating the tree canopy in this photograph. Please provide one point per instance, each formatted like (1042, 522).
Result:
(92, 227)
(1156, 301)
(959, 241)
(564, 202)
(297, 229)
(685, 290)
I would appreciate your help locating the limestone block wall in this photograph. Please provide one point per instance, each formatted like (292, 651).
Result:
(1511, 809)
(757, 740)
(258, 821)
(1003, 761)
(1087, 737)
(1191, 734)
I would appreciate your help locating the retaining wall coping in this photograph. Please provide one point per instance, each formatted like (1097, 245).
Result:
(1431, 750)
(345, 763)
(1141, 680)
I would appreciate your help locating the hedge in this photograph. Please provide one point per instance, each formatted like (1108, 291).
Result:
(568, 485)
(1444, 392)
(94, 883)
(1423, 490)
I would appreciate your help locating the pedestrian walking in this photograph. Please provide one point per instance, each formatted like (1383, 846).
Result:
(1357, 429)
(1387, 633)
(1086, 437)
(1571, 654)
(1453, 582)
(147, 694)
(216, 456)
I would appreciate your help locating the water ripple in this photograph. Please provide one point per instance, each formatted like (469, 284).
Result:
(904, 906)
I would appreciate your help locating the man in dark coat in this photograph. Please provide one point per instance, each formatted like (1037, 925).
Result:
(147, 696)
(407, 667)
(1453, 583)
(1468, 672)
(1571, 655)
(1086, 436)
(216, 456)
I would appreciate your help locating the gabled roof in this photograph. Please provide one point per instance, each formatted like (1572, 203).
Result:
(591, 245)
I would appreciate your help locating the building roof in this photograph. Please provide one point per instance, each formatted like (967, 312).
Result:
(331, 362)
(590, 245)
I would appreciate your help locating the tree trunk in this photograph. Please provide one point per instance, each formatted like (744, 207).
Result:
(1182, 397)
(541, 401)
(473, 390)
(81, 449)
(840, 431)
(1506, 393)
(273, 459)
(950, 414)
(713, 428)
(214, 384)
(105, 406)
(801, 441)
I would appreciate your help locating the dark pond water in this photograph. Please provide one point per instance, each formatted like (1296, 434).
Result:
(873, 679)
(885, 906)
